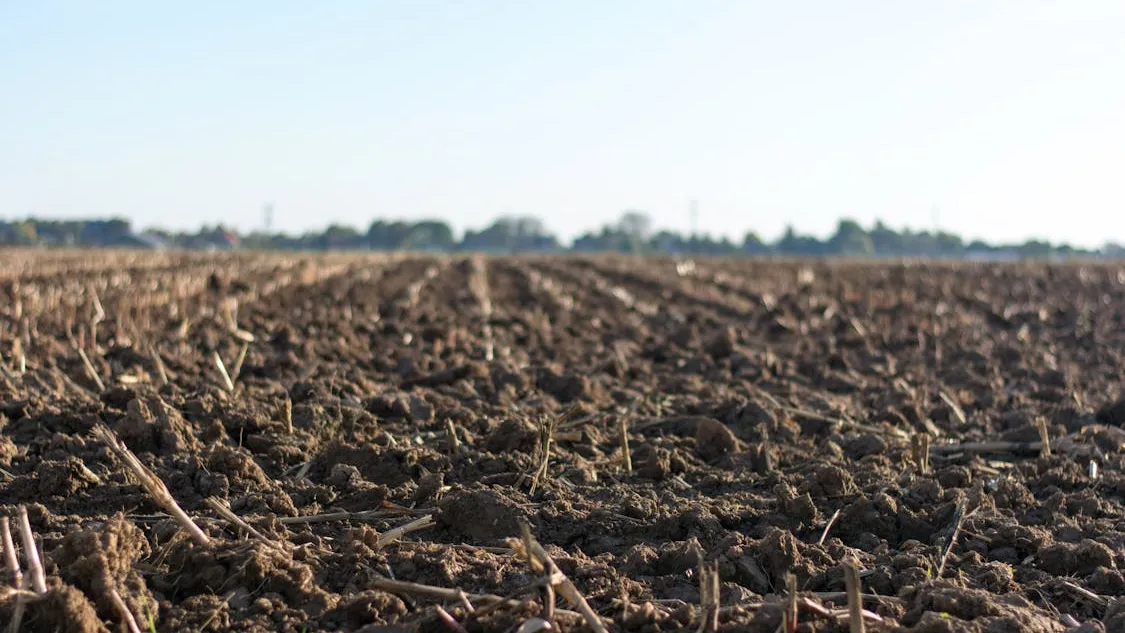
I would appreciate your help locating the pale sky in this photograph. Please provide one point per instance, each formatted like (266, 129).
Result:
(1007, 116)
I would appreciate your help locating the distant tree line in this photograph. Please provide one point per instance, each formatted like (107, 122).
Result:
(633, 232)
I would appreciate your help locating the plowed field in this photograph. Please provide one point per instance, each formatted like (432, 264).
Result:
(415, 443)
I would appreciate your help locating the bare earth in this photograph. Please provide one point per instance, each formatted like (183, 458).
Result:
(784, 421)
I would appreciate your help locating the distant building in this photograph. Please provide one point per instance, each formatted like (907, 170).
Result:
(150, 241)
(213, 241)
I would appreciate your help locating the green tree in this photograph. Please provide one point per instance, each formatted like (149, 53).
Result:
(752, 244)
(851, 239)
(886, 241)
(1035, 249)
(26, 232)
(792, 243)
(430, 235)
(338, 236)
(383, 235)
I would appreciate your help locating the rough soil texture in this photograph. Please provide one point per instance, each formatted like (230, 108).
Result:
(781, 418)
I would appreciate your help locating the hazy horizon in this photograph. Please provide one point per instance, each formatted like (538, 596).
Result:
(1002, 116)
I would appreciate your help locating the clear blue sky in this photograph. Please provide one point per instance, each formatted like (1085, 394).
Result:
(1009, 117)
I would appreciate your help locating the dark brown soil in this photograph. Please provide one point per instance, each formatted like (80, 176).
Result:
(775, 413)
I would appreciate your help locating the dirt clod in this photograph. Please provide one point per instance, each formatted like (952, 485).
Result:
(713, 439)
(483, 516)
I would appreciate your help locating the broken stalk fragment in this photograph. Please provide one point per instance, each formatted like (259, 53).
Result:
(958, 520)
(158, 362)
(222, 367)
(448, 620)
(18, 355)
(397, 533)
(1044, 437)
(920, 451)
(223, 510)
(855, 602)
(287, 414)
(789, 618)
(827, 527)
(626, 456)
(123, 611)
(709, 597)
(237, 369)
(90, 371)
(451, 436)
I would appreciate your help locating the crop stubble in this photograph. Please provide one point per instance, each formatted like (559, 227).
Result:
(403, 442)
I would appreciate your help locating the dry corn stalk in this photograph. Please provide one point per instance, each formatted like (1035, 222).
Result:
(547, 437)
(230, 316)
(97, 317)
(151, 483)
(479, 288)
(31, 554)
(11, 561)
(22, 597)
(17, 301)
(123, 611)
(538, 558)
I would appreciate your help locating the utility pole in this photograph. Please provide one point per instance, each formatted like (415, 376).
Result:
(268, 213)
(935, 216)
(693, 213)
